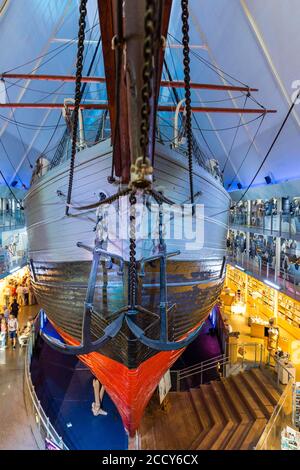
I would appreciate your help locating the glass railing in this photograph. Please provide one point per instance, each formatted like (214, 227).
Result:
(281, 225)
(14, 251)
(288, 280)
(9, 220)
(281, 417)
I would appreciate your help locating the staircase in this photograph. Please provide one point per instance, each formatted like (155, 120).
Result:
(229, 414)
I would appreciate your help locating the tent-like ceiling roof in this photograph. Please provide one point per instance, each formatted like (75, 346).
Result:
(250, 41)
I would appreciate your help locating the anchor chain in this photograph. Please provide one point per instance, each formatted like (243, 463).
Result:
(78, 95)
(132, 251)
(187, 86)
(147, 76)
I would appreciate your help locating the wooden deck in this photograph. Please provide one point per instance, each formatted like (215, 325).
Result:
(230, 414)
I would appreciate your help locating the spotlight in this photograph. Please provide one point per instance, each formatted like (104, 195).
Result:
(271, 284)
(268, 179)
(14, 183)
(239, 267)
(239, 185)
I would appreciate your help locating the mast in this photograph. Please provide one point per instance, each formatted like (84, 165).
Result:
(122, 26)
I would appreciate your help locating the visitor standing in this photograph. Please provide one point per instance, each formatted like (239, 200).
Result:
(15, 308)
(3, 331)
(20, 294)
(12, 326)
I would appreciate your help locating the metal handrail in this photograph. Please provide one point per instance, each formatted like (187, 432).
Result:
(200, 368)
(221, 362)
(41, 417)
(202, 364)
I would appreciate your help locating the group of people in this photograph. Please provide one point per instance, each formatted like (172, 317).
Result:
(19, 290)
(16, 293)
(9, 327)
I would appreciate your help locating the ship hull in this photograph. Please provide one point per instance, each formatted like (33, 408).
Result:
(129, 370)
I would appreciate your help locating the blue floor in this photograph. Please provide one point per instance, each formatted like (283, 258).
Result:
(64, 387)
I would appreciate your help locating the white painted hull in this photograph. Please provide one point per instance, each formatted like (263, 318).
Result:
(53, 236)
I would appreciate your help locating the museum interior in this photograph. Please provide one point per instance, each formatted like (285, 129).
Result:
(149, 225)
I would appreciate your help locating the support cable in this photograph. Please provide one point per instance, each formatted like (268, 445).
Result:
(267, 154)
(249, 148)
(10, 161)
(18, 130)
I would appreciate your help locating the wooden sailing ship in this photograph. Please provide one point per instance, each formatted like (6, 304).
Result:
(128, 312)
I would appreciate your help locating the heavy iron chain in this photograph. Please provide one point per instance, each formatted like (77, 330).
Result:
(187, 83)
(132, 250)
(147, 76)
(146, 93)
(78, 95)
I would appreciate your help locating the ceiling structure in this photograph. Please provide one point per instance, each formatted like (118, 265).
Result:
(232, 41)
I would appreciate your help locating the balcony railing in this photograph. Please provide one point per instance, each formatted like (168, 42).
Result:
(277, 225)
(289, 282)
(10, 220)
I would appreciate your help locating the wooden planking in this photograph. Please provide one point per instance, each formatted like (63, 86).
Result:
(60, 289)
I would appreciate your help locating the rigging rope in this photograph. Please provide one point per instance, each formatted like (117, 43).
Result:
(235, 136)
(187, 82)
(11, 191)
(267, 154)
(78, 96)
(61, 46)
(10, 161)
(249, 148)
(18, 130)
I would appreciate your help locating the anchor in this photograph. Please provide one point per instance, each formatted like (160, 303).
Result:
(128, 312)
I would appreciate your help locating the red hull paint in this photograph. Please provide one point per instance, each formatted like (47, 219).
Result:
(130, 389)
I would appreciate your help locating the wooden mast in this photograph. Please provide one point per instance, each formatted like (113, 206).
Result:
(125, 102)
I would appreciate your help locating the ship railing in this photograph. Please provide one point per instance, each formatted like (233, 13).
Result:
(199, 156)
(94, 132)
(46, 429)
(282, 415)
